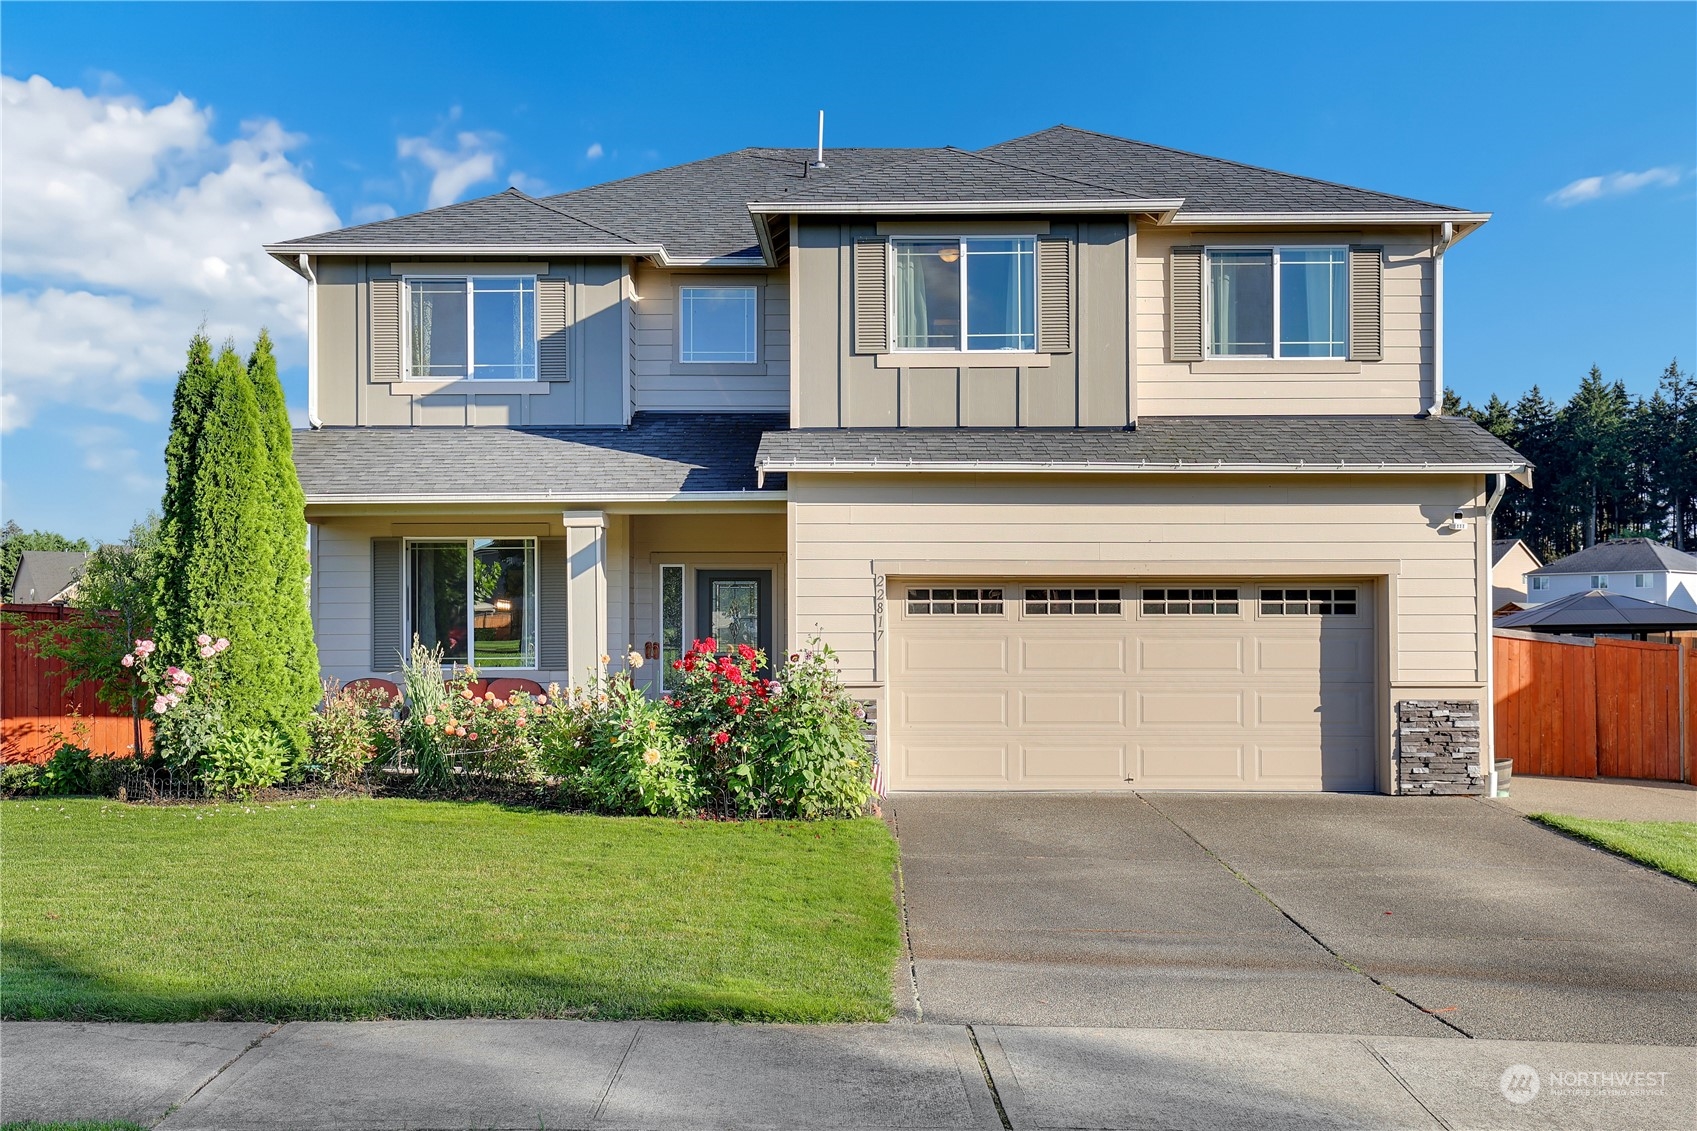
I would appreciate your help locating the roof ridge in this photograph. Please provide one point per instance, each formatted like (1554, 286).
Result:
(848, 183)
(525, 196)
(1227, 161)
(1047, 173)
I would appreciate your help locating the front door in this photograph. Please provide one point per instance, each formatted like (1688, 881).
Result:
(734, 606)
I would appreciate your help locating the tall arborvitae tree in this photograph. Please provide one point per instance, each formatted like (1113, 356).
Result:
(188, 415)
(287, 630)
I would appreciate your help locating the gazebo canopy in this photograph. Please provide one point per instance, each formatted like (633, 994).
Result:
(1599, 611)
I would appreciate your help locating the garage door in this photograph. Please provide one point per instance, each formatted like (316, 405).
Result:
(1146, 685)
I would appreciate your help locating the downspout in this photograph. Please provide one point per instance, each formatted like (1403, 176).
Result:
(311, 341)
(1447, 238)
(1490, 705)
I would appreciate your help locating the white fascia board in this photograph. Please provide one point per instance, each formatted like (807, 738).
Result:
(1209, 219)
(287, 252)
(549, 497)
(960, 207)
(1144, 467)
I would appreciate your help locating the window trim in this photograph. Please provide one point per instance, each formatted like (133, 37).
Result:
(533, 583)
(962, 353)
(1208, 354)
(666, 681)
(754, 289)
(1538, 584)
(410, 277)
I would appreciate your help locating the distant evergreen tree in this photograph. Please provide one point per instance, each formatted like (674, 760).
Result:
(1592, 438)
(1538, 511)
(1668, 441)
(287, 631)
(14, 540)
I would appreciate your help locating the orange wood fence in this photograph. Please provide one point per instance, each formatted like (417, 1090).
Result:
(1577, 708)
(37, 713)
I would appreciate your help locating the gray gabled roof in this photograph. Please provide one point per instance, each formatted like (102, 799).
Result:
(43, 576)
(661, 455)
(699, 212)
(508, 219)
(1158, 443)
(1599, 611)
(1623, 555)
(1207, 184)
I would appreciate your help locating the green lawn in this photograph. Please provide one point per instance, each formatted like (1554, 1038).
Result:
(1668, 846)
(393, 908)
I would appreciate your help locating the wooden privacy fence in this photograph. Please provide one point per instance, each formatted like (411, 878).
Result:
(37, 713)
(1571, 707)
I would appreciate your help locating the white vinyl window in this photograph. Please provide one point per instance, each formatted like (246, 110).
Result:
(1540, 583)
(1641, 581)
(719, 325)
(475, 598)
(671, 624)
(1599, 581)
(972, 293)
(471, 327)
(1278, 302)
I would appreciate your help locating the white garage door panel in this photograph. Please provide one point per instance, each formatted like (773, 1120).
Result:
(1104, 700)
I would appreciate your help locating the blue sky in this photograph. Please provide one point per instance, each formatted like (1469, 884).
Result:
(161, 144)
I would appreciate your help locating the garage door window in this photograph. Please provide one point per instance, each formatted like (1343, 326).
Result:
(1308, 602)
(1190, 602)
(1072, 602)
(949, 602)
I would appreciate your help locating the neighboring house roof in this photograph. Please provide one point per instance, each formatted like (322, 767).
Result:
(699, 212)
(1158, 443)
(1501, 546)
(1622, 555)
(47, 576)
(1599, 611)
(660, 456)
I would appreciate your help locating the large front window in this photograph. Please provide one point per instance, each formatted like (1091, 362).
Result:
(478, 327)
(977, 293)
(475, 598)
(1278, 302)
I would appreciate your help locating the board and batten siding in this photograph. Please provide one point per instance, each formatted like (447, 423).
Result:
(1087, 385)
(665, 384)
(842, 524)
(1400, 383)
(359, 327)
(342, 586)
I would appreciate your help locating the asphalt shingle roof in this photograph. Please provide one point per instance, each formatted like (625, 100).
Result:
(1347, 442)
(1208, 184)
(44, 574)
(659, 454)
(1623, 555)
(1599, 611)
(699, 210)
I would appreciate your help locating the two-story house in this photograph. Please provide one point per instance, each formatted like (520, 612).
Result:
(1638, 567)
(1100, 465)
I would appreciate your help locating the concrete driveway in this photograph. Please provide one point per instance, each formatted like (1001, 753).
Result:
(1314, 913)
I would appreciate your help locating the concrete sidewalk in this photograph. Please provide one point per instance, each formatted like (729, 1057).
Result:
(1603, 799)
(571, 1074)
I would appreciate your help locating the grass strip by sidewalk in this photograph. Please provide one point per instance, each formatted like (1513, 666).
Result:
(1667, 846)
(340, 910)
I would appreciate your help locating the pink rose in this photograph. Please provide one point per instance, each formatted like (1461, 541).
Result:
(129, 661)
(220, 644)
(207, 651)
(161, 705)
(203, 640)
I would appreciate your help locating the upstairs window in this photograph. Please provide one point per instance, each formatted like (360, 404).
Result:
(471, 327)
(719, 325)
(1599, 581)
(1540, 583)
(1641, 581)
(1279, 302)
(973, 293)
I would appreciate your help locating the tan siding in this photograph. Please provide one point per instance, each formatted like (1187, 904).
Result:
(842, 524)
(1401, 383)
(664, 384)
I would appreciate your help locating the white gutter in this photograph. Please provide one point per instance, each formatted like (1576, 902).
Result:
(1445, 216)
(1437, 406)
(553, 497)
(1075, 467)
(311, 341)
(959, 207)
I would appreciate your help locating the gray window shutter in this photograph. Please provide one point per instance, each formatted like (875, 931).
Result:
(386, 644)
(385, 330)
(1184, 304)
(871, 296)
(553, 577)
(1054, 296)
(1366, 303)
(551, 353)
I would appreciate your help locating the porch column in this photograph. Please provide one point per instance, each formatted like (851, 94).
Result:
(586, 595)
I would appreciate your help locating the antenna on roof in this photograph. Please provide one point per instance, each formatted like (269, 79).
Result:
(818, 161)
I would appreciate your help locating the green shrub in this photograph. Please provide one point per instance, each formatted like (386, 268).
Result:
(67, 772)
(812, 758)
(354, 727)
(635, 762)
(426, 694)
(243, 760)
(20, 779)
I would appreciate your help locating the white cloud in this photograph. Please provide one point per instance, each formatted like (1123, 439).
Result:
(524, 182)
(126, 227)
(106, 454)
(1587, 189)
(594, 152)
(371, 213)
(472, 161)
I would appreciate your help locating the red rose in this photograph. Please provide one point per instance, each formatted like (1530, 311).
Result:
(721, 739)
(746, 652)
(735, 676)
(709, 645)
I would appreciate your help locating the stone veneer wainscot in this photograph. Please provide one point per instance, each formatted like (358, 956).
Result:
(1438, 747)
